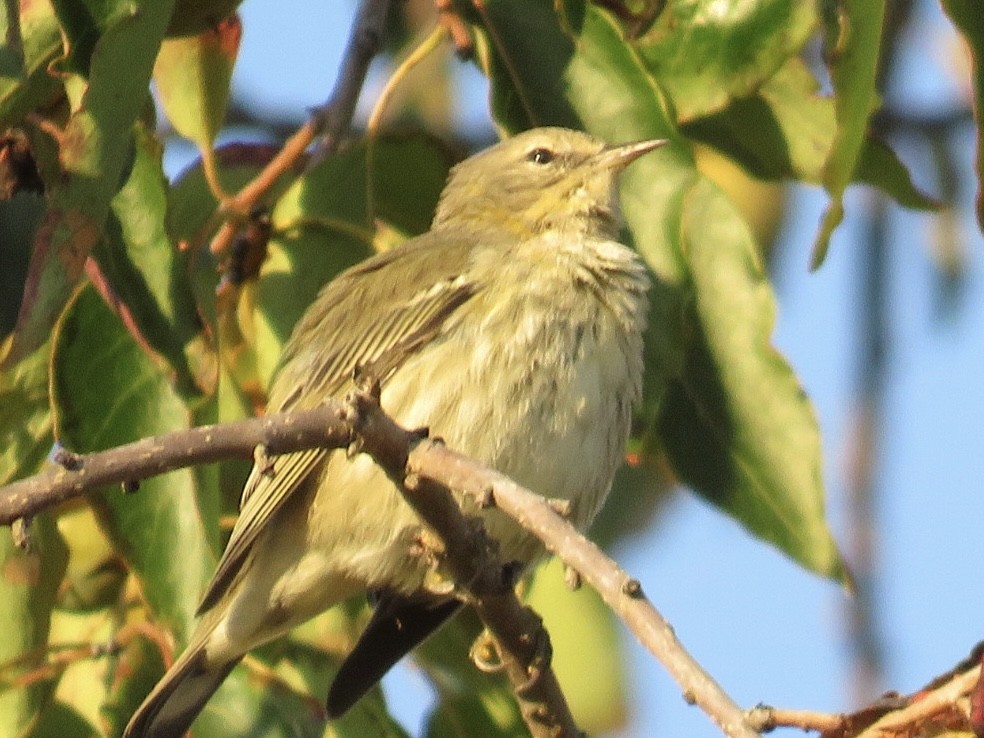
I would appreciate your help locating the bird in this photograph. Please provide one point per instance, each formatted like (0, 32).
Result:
(513, 330)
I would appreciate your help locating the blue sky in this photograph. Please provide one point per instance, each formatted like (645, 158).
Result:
(768, 631)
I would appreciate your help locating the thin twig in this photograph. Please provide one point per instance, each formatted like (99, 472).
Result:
(765, 719)
(619, 591)
(425, 48)
(330, 120)
(938, 701)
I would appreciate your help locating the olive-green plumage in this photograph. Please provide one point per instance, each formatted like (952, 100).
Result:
(512, 329)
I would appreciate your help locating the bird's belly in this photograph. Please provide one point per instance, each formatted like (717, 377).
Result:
(550, 408)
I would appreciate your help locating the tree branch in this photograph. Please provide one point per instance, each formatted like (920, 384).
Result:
(425, 469)
(523, 644)
(76, 475)
(331, 120)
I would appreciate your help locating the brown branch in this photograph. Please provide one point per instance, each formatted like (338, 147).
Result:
(765, 719)
(75, 475)
(619, 591)
(331, 120)
(523, 644)
(426, 470)
(942, 699)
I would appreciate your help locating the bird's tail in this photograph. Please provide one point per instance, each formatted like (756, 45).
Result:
(175, 702)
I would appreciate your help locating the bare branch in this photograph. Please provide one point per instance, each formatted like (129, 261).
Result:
(74, 475)
(523, 644)
(619, 591)
(426, 470)
(430, 460)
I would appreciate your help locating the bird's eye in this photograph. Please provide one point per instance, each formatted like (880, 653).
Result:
(540, 156)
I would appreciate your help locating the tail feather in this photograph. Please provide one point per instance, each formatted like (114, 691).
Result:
(398, 625)
(177, 699)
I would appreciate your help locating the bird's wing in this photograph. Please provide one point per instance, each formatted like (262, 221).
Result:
(355, 323)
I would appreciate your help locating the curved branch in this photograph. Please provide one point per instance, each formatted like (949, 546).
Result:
(425, 470)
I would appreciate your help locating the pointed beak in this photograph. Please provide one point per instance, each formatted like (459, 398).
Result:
(616, 158)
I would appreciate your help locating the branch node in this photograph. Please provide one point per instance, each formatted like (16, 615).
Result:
(689, 697)
(572, 578)
(485, 499)
(562, 507)
(68, 460)
(484, 653)
(263, 460)
(632, 588)
(20, 532)
(366, 381)
(540, 661)
(761, 718)
(129, 486)
(355, 447)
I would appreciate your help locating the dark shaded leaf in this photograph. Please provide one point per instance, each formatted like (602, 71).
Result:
(114, 44)
(146, 278)
(25, 53)
(108, 392)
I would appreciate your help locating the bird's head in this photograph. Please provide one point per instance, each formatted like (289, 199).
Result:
(545, 178)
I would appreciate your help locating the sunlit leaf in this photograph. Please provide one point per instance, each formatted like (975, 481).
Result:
(192, 75)
(854, 62)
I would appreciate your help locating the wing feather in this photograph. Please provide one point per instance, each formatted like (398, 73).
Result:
(314, 369)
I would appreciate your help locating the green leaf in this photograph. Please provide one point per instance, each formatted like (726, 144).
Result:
(25, 423)
(854, 69)
(706, 53)
(966, 16)
(26, 50)
(28, 585)
(524, 51)
(880, 167)
(587, 656)
(108, 392)
(29, 579)
(114, 44)
(786, 130)
(192, 76)
(147, 278)
(736, 423)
